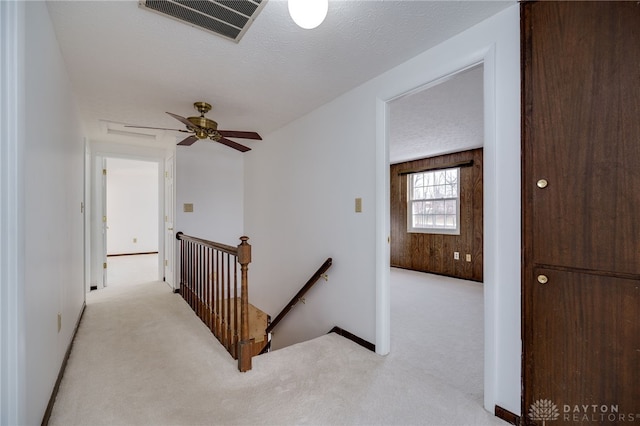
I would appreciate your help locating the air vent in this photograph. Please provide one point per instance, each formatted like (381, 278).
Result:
(227, 18)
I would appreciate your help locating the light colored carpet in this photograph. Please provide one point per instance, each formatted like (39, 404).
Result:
(132, 269)
(141, 357)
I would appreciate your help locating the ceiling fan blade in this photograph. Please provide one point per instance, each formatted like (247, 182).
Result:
(182, 119)
(234, 145)
(190, 140)
(158, 128)
(241, 135)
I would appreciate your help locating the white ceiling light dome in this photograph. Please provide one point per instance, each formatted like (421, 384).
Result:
(308, 14)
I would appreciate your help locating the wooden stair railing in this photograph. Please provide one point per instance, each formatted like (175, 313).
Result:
(298, 297)
(209, 284)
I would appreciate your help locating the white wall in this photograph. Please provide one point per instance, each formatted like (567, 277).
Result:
(132, 206)
(53, 221)
(301, 182)
(209, 175)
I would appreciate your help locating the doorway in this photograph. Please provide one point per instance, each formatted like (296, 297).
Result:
(132, 241)
(436, 137)
(127, 227)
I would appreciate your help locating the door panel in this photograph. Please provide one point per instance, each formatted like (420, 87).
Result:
(583, 134)
(584, 341)
(581, 203)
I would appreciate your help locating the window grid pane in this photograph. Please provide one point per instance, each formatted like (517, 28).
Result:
(434, 199)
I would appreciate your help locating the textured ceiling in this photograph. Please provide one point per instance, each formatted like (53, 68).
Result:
(447, 117)
(128, 65)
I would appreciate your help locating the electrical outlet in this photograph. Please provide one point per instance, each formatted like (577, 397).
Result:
(468, 257)
(456, 255)
(135, 240)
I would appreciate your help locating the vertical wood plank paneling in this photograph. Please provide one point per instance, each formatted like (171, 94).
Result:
(434, 252)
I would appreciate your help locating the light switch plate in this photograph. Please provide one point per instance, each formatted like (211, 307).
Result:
(358, 205)
(187, 207)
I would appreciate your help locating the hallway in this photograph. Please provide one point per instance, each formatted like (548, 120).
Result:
(132, 269)
(142, 357)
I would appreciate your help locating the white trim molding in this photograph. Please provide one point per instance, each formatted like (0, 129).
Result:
(494, 43)
(12, 345)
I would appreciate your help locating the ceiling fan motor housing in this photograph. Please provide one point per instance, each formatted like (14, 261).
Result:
(203, 127)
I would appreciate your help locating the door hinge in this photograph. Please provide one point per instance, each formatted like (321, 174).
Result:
(166, 174)
(104, 219)
(166, 262)
(104, 265)
(104, 172)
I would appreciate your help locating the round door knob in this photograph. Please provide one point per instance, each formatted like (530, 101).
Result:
(542, 279)
(542, 183)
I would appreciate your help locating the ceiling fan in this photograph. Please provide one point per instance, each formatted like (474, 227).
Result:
(203, 128)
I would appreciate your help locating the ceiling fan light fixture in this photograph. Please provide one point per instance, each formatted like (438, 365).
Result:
(308, 14)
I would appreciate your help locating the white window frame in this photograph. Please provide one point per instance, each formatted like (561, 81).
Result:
(444, 198)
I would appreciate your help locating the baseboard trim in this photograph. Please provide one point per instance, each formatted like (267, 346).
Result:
(507, 416)
(56, 387)
(367, 345)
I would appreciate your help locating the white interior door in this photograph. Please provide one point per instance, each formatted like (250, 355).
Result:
(169, 237)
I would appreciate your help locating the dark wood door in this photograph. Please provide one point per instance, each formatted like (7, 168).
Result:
(581, 210)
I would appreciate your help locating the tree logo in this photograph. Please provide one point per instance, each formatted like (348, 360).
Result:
(543, 409)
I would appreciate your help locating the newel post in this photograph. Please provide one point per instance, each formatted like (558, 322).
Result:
(244, 345)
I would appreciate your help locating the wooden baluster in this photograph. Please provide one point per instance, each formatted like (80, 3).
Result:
(223, 314)
(219, 302)
(212, 296)
(200, 275)
(187, 267)
(189, 272)
(207, 298)
(194, 279)
(217, 293)
(183, 270)
(229, 257)
(203, 283)
(244, 346)
(192, 272)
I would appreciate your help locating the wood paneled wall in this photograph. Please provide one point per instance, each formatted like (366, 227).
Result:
(434, 252)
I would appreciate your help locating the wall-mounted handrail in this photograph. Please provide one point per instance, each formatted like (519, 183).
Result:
(318, 274)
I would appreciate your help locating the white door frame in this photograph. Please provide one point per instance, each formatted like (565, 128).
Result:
(168, 221)
(12, 117)
(383, 288)
(98, 248)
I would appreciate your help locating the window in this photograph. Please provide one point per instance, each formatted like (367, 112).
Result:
(434, 202)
